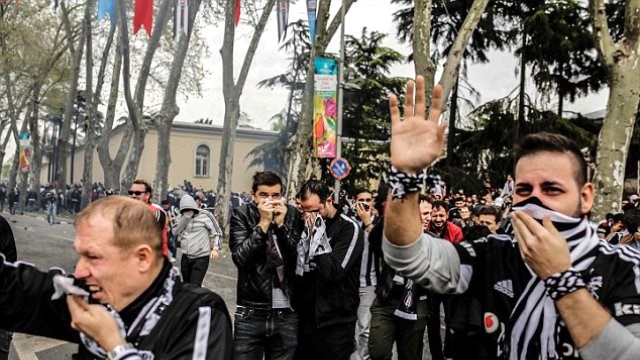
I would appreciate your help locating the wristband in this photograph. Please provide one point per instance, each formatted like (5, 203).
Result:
(564, 283)
(402, 183)
(121, 350)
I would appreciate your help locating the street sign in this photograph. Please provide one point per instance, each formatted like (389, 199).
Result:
(340, 168)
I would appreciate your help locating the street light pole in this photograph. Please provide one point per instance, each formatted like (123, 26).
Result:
(340, 99)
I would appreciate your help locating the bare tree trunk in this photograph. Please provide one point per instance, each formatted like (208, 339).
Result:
(169, 111)
(5, 141)
(622, 61)
(299, 154)
(135, 104)
(454, 57)
(232, 91)
(422, 45)
(76, 56)
(113, 166)
(89, 124)
(521, 95)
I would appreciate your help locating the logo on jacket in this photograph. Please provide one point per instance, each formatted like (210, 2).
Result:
(491, 322)
(505, 287)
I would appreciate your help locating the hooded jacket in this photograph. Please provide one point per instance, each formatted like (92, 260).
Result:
(194, 231)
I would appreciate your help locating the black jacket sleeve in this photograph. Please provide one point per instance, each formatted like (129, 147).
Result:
(26, 305)
(290, 233)
(7, 242)
(247, 239)
(347, 250)
(203, 332)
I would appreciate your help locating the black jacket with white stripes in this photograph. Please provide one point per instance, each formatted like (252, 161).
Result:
(329, 294)
(196, 318)
(491, 271)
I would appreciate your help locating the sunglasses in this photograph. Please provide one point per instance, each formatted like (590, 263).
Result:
(137, 193)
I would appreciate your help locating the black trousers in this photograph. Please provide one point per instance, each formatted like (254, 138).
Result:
(5, 344)
(333, 342)
(194, 270)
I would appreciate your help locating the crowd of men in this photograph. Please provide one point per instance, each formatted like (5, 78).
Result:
(522, 272)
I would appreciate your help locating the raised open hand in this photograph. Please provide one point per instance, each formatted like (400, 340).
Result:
(416, 143)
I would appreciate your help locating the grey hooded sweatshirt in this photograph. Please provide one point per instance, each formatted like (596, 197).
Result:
(194, 232)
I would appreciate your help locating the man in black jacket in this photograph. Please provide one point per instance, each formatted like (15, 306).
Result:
(329, 262)
(264, 236)
(125, 299)
(8, 248)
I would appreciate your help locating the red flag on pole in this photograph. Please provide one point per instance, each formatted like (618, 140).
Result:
(236, 12)
(143, 15)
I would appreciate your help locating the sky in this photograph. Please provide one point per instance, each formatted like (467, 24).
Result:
(493, 80)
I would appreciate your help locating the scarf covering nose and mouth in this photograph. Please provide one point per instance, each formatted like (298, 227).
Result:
(532, 331)
(314, 242)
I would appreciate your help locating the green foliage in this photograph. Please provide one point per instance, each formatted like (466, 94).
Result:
(485, 151)
(561, 50)
(446, 19)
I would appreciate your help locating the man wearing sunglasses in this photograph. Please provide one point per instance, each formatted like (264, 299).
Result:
(141, 190)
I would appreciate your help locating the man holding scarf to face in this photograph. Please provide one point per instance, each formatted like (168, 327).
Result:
(547, 288)
(264, 237)
(328, 269)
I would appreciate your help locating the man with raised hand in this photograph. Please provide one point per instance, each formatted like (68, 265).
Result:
(548, 288)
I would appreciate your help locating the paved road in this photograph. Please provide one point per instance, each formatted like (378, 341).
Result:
(52, 245)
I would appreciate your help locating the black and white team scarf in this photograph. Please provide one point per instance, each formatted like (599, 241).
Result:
(144, 322)
(314, 242)
(533, 327)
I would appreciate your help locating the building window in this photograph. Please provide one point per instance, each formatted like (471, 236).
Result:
(202, 160)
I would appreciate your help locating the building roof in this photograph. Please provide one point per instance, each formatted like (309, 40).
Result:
(217, 130)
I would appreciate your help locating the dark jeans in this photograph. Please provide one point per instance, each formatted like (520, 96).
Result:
(5, 344)
(386, 328)
(273, 333)
(438, 352)
(332, 342)
(194, 270)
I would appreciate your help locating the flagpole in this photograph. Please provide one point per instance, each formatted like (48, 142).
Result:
(340, 99)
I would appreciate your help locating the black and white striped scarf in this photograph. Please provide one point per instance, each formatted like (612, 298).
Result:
(533, 328)
(146, 320)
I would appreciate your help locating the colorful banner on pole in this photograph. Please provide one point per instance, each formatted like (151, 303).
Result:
(236, 12)
(312, 6)
(181, 19)
(25, 152)
(283, 18)
(143, 15)
(325, 107)
(107, 7)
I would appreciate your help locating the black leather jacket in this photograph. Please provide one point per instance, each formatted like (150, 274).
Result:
(7, 242)
(248, 244)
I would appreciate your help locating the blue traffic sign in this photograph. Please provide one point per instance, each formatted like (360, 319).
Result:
(340, 168)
